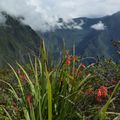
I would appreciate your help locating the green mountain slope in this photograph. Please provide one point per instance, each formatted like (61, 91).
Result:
(16, 40)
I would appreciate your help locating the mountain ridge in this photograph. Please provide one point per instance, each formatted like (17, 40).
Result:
(88, 40)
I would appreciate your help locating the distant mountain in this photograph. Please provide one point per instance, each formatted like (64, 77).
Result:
(16, 40)
(92, 36)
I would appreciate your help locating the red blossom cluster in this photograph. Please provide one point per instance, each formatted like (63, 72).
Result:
(101, 93)
(70, 58)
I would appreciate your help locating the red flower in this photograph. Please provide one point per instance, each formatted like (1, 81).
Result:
(67, 62)
(104, 91)
(68, 58)
(101, 93)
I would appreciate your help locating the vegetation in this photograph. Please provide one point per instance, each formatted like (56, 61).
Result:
(69, 90)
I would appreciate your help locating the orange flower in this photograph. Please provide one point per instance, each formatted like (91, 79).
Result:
(28, 100)
(74, 58)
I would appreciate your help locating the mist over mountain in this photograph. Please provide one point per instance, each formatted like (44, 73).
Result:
(91, 36)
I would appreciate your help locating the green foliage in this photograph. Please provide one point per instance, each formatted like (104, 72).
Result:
(65, 91)
(117, 46)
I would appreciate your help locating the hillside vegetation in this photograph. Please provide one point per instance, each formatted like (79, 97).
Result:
(68, 90)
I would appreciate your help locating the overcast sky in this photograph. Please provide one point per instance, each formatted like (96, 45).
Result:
(40, 14)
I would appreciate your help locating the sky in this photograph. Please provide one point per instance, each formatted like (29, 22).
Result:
(44, 14)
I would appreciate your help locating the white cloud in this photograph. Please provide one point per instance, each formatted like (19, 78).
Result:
(2, 19)
(99, 26)
(70, 24)
(43, 14)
